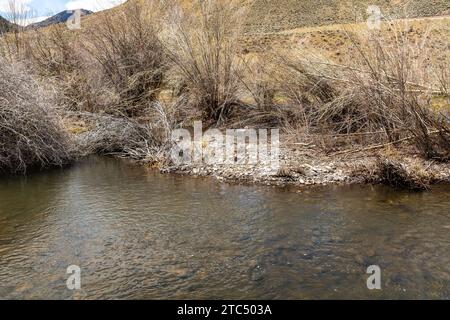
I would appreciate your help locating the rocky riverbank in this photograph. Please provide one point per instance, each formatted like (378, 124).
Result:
(300, 164)
(306, 168)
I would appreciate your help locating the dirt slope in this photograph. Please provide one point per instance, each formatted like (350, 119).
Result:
(277, 15)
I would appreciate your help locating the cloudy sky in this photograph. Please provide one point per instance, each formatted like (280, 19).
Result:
(38, 10)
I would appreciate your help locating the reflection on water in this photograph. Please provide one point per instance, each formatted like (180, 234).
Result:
(138, 234)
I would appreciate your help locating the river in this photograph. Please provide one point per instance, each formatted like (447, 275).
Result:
(137, 234)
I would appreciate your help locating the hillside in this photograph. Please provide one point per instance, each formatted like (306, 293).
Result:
(266, 16)
(58, 18)
(5, 25)
(271, 16)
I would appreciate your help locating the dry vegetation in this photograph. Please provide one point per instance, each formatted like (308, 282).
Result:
(152, 66)
(204, 50)
(272, 16)
(127, 51)
(386, 92)
(31, 135)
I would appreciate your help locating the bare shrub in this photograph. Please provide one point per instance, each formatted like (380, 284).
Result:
(303, 82)
(32, 136)
(393, 82)
(397, 174)
(261, 107)
(125, 137)
(12, 37)
(55, 55)
(203, 45)
(128, 52)
(118, 68)
(387, 90)
(112, 135)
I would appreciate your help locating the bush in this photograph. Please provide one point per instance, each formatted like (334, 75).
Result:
(395, 173)
(31, 135)
(119, 68)
(127, 51)
(112, 136)
(124, 137)
(56, 56)
(203, 45)
(387, 91)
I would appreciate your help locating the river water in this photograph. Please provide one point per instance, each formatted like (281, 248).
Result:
(137, 234)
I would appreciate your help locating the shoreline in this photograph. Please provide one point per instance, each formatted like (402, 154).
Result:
(301, 164)
(311, 170)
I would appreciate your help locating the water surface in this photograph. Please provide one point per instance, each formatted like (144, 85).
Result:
(137, 234)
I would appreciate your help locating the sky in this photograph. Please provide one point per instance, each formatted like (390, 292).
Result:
(38, 10)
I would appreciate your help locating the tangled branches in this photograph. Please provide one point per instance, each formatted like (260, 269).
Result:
(31, 135)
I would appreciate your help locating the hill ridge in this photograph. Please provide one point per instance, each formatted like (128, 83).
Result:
(60, 17)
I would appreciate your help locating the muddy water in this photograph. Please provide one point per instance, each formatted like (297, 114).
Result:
(137, 234)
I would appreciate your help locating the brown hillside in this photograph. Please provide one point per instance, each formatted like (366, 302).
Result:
(5, 25)
(276, 15)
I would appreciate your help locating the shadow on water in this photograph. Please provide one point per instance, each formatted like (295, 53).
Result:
(138, 234)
